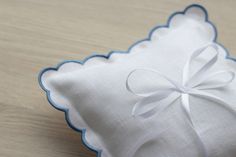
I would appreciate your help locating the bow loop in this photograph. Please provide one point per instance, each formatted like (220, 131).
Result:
(155, 82)
(148, 104)
(216, 80)
(210, 53)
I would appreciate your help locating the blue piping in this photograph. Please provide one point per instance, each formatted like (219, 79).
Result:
(66, 110)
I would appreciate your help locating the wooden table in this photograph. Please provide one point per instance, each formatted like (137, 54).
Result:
(39, 33)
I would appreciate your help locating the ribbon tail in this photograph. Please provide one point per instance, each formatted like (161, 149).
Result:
(201, 143)
(186, 107)
(212, 98)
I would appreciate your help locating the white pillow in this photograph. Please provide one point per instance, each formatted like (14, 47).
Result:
(116, 100)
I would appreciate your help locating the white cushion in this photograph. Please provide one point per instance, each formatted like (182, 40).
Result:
(94, 95)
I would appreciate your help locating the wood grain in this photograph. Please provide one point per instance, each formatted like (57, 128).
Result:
(39, 33)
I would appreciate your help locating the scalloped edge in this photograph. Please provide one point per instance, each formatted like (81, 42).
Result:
(66, 110)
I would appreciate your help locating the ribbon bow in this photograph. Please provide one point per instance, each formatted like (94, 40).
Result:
(194, 85)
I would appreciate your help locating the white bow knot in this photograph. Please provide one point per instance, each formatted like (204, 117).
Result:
(194, 86)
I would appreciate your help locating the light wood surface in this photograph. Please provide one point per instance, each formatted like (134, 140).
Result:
(40, 33)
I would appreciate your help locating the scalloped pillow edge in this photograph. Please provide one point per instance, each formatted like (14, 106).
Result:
(91, 142)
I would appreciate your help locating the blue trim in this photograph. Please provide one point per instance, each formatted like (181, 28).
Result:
(66, 110)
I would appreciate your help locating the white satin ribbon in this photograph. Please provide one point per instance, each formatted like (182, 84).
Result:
(191, 85)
